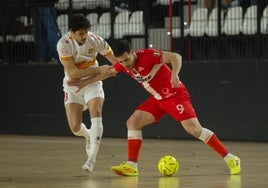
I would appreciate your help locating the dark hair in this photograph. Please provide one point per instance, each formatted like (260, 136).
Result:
(78, 21)
(121, 46)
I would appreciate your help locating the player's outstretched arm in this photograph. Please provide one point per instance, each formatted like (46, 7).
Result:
(97, 77)
(75, 73)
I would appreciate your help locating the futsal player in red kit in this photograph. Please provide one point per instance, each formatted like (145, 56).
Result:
(168, 96)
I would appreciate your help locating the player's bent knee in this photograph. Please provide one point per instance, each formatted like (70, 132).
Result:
(132, 124)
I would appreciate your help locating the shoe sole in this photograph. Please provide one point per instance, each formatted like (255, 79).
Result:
(120, 173)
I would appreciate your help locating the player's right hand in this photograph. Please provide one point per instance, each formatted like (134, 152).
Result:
(103, 69)
(108, 71)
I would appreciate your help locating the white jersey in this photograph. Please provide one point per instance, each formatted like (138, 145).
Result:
(84, 55)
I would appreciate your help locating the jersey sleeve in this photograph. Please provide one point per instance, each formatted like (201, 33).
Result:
(156, 56)
(64, 50)
(101, 44)
(118, 67)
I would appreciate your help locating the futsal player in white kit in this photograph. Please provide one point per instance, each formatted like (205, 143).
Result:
(78, 50)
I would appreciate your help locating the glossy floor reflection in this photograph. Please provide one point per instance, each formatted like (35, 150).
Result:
(45, 161)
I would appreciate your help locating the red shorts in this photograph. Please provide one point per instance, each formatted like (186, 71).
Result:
(178, 106)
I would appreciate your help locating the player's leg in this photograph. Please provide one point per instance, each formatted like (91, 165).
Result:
(180, 108)
(95, 106)
(74, 105)
(147, 113)
(74, 116)
(193, 127)
(94, 97)
(134, 125)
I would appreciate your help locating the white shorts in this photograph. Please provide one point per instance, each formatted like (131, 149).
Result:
(84, 95)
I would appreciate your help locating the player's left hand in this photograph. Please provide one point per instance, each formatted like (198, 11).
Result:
(78, 83)
(175, 81)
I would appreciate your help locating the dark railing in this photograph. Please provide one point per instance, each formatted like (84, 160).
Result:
(228, 32)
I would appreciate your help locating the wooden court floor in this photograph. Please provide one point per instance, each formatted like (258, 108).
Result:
(55, 162)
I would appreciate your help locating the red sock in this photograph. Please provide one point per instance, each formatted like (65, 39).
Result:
(217, 145)
(134, 146)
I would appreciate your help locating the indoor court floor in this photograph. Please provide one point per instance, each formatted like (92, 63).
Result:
(55, 162)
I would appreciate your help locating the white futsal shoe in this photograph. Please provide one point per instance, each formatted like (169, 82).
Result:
(88, 166)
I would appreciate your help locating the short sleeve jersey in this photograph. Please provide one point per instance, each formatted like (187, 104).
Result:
(152, 73)
(85, 56)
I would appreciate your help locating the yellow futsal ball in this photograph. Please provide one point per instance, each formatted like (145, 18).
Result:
(168, 165)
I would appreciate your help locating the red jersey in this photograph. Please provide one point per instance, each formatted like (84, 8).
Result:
(152, 73)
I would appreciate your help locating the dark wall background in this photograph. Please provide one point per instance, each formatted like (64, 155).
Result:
(229, 97)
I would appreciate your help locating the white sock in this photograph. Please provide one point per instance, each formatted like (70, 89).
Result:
(83, 131)
(96, 131)
(134, 134)
(205, 135)
(133, 164)
(228, 156)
